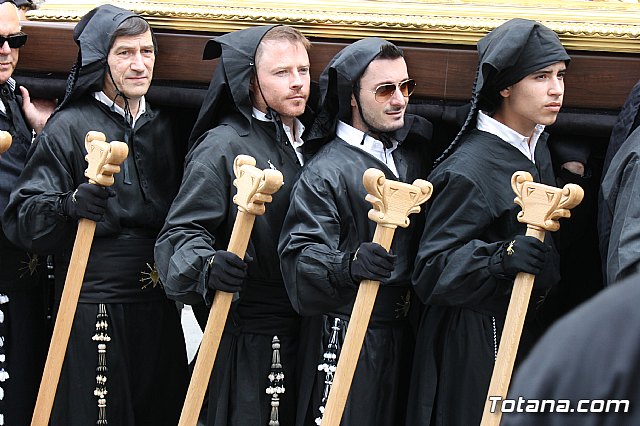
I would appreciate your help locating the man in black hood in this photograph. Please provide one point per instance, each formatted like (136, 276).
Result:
(473, 246)
(126, 359)
(24, 289)
(325, 243)
(256, 105)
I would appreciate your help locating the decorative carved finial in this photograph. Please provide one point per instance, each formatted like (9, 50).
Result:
(5, 141)
(104, 158)
(543, 205)
(393, 201)
(255, 186)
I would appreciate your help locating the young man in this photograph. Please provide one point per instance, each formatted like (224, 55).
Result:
(325, 244)
(24, 327)
(255, 104)
(473, 246)
(145, 363)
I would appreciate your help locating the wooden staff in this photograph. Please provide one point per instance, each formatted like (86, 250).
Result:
(542, 206)
(392, 202)
(255, 188)
(104, 160)
(5, 141)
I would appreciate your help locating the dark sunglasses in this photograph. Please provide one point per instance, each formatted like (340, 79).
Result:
(384, 92)
(14, 40)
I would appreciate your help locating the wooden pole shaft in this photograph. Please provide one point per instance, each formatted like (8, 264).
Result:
(64, 321)
(358, 323)
(214, 328)
(508, 349)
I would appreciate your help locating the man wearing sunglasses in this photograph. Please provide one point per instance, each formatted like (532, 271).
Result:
(325, 244)
(23, 276)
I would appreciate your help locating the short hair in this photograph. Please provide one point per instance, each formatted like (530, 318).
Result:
(283, 33)
(133, 26)
(387, 51)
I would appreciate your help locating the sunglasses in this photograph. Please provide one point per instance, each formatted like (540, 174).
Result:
(14, 40)
(384, 92)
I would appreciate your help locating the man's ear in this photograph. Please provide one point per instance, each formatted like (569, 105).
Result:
(505, 92)
(354, 103)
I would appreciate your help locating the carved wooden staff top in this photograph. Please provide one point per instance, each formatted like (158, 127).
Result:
(542, 206)
(5, 141)
(104, 160)
(255, 188)
(392, 203)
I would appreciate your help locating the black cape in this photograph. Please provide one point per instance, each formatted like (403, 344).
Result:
(470, 215)
(120, 261)
(24, 285)
(326, 222)
(200, 222)
(592, 354)
(618, 212)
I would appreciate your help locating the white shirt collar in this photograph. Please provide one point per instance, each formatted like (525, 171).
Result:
(373, 146)
(296, 142)
(142, 106)
(521, 143)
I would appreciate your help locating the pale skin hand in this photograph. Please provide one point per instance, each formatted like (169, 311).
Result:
(574, 167)
(36, 111)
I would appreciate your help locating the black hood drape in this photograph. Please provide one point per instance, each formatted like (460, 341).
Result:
(337, 82)
(229, 88)
(336, 87)
(507, 54)
(92, 35)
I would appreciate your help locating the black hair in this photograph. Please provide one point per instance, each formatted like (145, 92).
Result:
(134, 25)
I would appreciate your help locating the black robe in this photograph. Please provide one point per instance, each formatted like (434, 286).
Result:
(469, 216)
(24, 327)
(326, 222)
(589, 360)
(619, 210)
(199, 223)
(143, 324)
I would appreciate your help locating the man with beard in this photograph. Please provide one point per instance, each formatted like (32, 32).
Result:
(24, 292)
(325, 243)
(142, 376)
(473, 246)
(255, 106)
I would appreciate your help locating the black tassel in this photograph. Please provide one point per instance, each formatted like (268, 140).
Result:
(102, 338)
(329, 362)
(276, 382)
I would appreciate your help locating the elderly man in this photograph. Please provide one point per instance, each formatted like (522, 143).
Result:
(143, 375)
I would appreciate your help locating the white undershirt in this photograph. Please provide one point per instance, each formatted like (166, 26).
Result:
(142, 106)
(296, 142)
(373, 146)
(525, 145)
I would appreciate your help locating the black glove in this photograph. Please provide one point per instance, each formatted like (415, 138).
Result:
(227, 271)
(88, 201)
(521, 254)
(371, 262)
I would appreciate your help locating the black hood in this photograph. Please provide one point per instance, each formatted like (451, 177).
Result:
(228, 91)
(506, 55)
(336, 85)
(92, 35)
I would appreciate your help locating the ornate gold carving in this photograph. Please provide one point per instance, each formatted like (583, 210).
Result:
(581, 25)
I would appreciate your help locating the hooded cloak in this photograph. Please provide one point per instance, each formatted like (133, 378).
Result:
(506, 55)
(326, 222)
(228, 91)
(93, 36)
